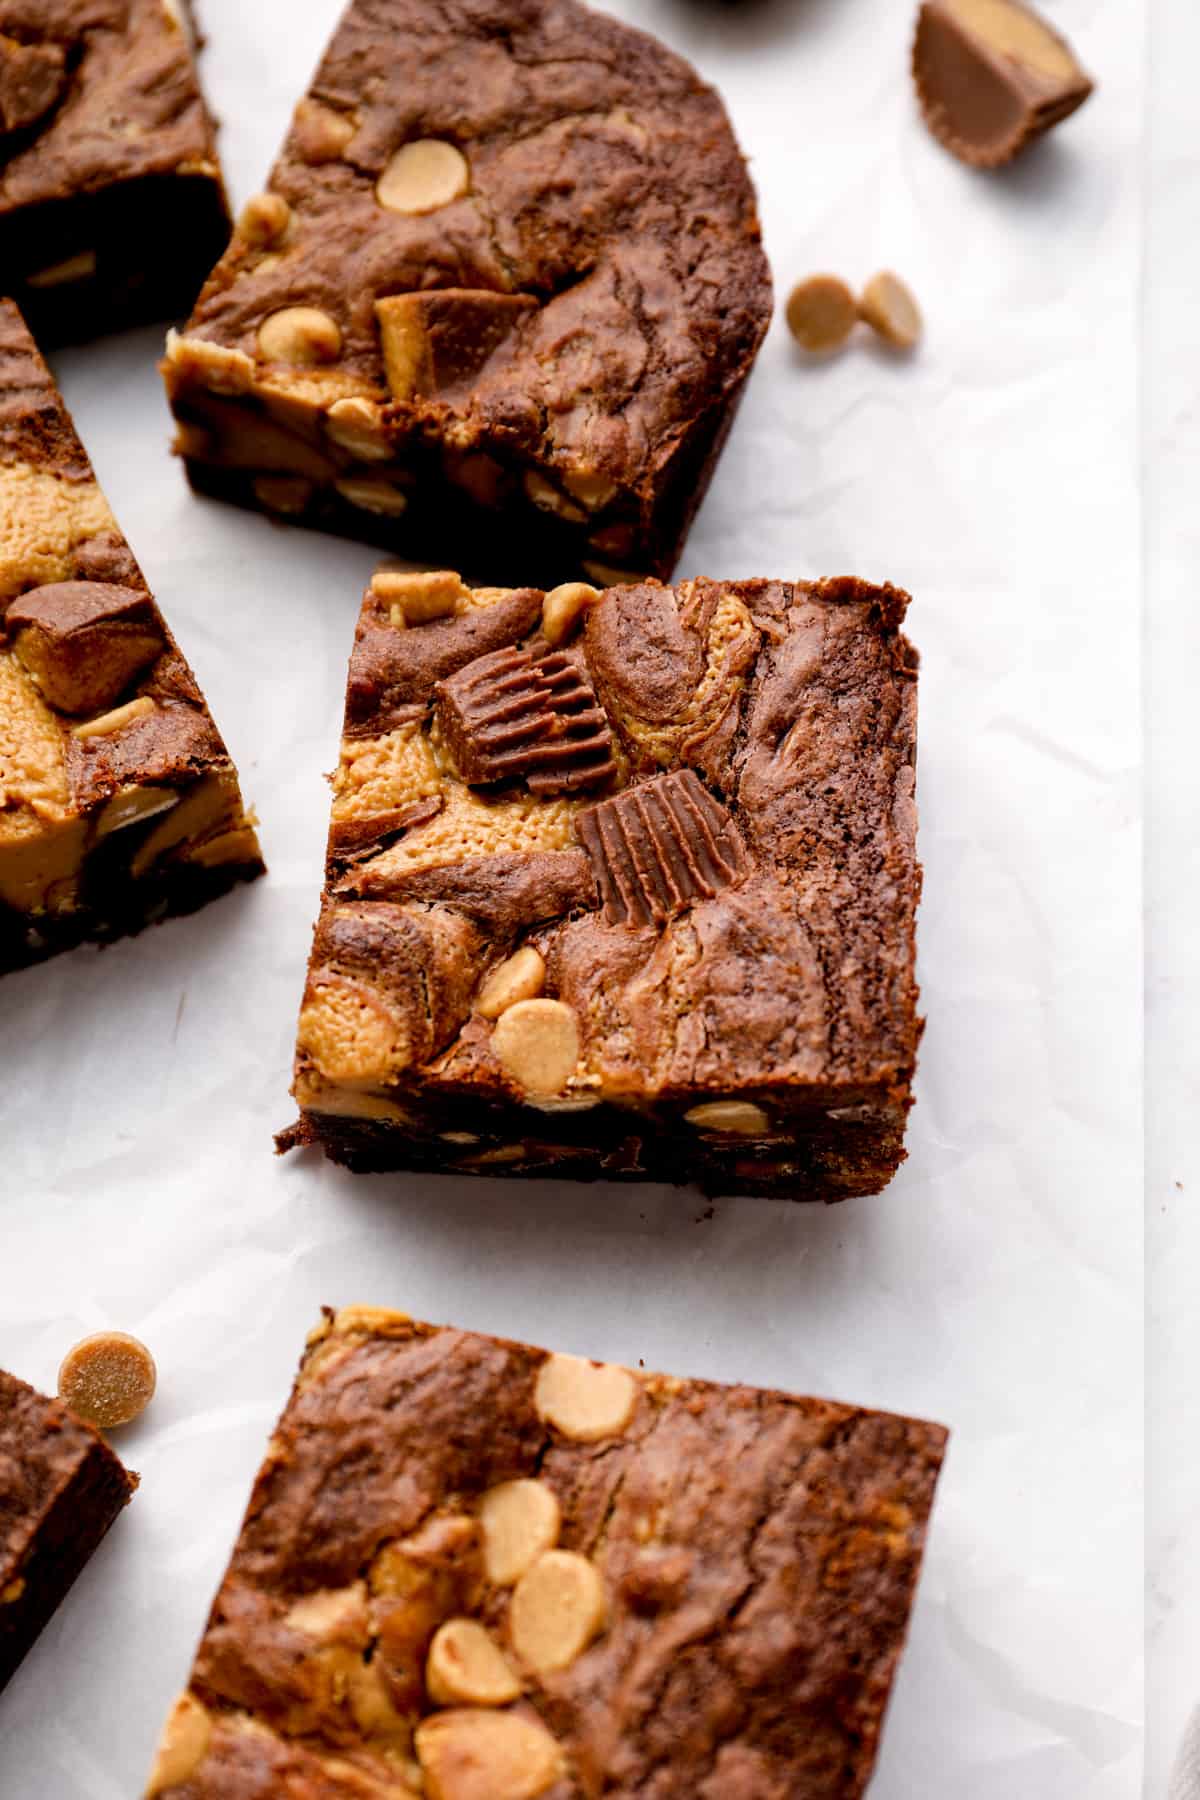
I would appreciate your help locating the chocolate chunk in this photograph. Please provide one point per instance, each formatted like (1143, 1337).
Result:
(437, 341)
(32, 78)
(84, 642)
(508, 717)
(660, 846)
(991, 76)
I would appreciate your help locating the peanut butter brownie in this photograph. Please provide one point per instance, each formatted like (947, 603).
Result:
(61, 1487)
(473, 1570)
(621, 885)
(118, 801)
(506, 286)
(112, 208)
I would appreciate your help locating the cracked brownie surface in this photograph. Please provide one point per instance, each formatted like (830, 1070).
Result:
(112, 208)
(507, 276)
(61, 1487)
(674, 944)
(118, 801)
(475, 1570)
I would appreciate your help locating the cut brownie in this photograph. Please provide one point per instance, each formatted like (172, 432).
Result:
(112, 208)
(621, 885)
(61, 1487)
(118, 801)
(474, 1570)
(506, 285)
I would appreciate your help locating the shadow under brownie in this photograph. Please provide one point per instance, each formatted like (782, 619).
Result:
(119, 804)
(475, 1570)
(621, 886)
(505, 288)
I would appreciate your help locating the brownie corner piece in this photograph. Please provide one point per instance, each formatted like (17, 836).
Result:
(61, 1487)
(519, 316)
(112, 203)
(478, 1570)
(119, 804)
(621, 885)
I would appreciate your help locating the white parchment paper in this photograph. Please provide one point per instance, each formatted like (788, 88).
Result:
(997, 1286)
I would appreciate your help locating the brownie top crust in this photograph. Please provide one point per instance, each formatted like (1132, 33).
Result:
(693, 822)
(551, 212)
(43, 1449)
(95, 93)
(507, 1573)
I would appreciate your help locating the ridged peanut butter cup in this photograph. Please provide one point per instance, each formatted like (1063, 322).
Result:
(992, 76)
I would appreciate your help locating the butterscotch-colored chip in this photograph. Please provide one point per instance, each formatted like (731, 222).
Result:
(117, 719)
(373, 494)
(741, 1118)
(108, 1379)
(536, 1042)
(521, 976)
(521, 1521)
(557, 1609)
(182, 1746)
(265, 218)
(544, 494)
(821, 313)
(889, 308)
(422, 176)
(321, 134)
(563, 608)
(585, 1400)
(473, 1754)
(302, 336)
(420, 596)
(466, 1667)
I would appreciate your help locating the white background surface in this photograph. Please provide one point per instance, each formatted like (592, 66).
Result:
(997, 1286)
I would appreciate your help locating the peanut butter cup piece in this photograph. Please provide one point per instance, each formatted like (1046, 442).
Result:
(660, 846)
(509, 717)
(992, 76)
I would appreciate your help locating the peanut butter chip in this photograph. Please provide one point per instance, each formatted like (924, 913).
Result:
(302, 336)
(821, 313)
(264, 219)
(108, 1378)
(888, 307)
(182, 1747)
(537, 1043)
(563, 608)
(585, 1400)
(740, 1117)
(521, 976)
(470, 1754)
(467, 1668)
(520, 1522)
(557, 1609)
(422, 176)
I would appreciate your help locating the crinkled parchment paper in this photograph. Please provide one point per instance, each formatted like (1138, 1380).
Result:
(997, 1285)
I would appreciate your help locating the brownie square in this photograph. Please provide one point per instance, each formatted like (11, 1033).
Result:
(61, 1487)
(112, 207)
(505, 288)
(481, 1571)
(118, 801)
(621, 885)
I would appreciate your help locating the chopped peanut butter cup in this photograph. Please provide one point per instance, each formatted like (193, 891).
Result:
(992, 76)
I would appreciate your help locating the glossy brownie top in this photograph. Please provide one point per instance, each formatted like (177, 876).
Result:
(555, 215)
(518, 1574)
(680, 827)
